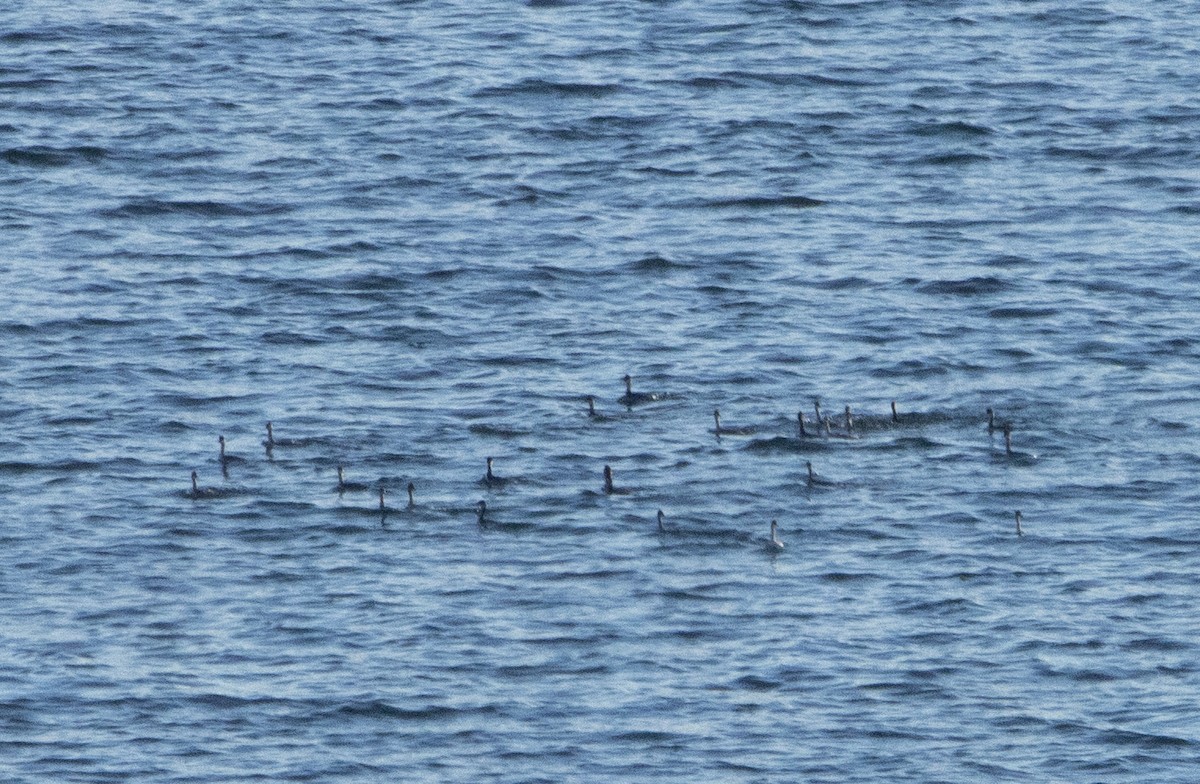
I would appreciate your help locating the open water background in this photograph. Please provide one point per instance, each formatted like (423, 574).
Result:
(417, 234)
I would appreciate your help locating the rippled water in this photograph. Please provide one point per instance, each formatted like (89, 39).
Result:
(414, 235)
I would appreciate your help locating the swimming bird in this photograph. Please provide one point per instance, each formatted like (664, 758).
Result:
(817, 408)
(273, 442)
(609, 488)
(1014, 455)
(411, 489)
(382, 507)
(593, 414)
(831, 433)
(344, 486)
(202, 492)
(490, 479)
(1019, 523)
(895, 416)
(849, 421)
(498, 525)
(662, 529)
(800, 420)
(228, 459)
(991, 415)
(729, 431)
(774, 544)
(631, 398)
(812, 475)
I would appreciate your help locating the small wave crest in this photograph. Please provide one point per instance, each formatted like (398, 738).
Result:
(52, 157)
(152, 208)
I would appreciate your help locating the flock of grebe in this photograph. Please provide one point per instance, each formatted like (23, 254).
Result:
(825, 427)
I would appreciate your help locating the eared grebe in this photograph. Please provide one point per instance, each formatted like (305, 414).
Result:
(490, 479)
(800, 421)
(1011, 455)
(498, 525)
(813, 479)
(609, 487)
(593, 414)
(228, 459)
(344, 486)
(729, 431)
(829, 432)
(774, 544)
(631, 398)
(202, 492)
(273, 442)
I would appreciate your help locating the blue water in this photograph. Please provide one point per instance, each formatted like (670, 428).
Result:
(413, 235)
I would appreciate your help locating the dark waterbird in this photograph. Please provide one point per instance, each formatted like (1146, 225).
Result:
(814, 479)
(383, 509)
(490, 479)
(703, 534)
(227, 459)
(631, 398)
(481, 517)
(829, 432)
(774, 544)
(273, 442)
(593, 414)
(729, 431)
(609, 487)
(343, 486)
(202, 492)
(1014, 456)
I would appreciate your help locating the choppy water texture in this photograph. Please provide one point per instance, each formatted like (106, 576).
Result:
(417, 234)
